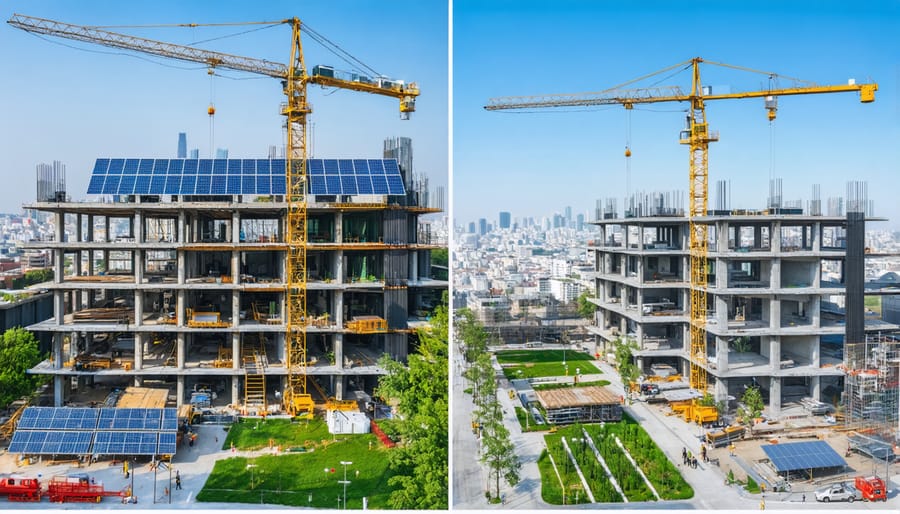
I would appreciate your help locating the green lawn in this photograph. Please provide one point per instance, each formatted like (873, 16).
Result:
(544, 387)
(532, 426)
(298, 477)
(544, 363)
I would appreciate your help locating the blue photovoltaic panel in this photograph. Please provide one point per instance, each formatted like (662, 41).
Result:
(167, 443)
(146, 166)
(160, 166)
(115, 166)
(169, 419)
(315, 167)
(51, 442)
(242, 176)
(317, 185)
(364, 184)
(126, 186)
(111, 185)
(95, 186)
(22, 441)
(131, 166)
(158, 185)
(129, 419)
(217, 187)
(101, 166)
(806, 455)
(126, 443)
(142, 185)
(348, 185)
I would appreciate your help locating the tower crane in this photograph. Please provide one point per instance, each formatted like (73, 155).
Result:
(697, 136)
(294, 80)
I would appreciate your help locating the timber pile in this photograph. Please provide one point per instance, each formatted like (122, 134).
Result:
(143, 398)
(104, 315)
(100, 278)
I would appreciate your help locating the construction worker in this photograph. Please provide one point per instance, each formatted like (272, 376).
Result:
(177, 482)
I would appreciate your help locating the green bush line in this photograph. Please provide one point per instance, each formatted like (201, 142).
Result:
(523, 356)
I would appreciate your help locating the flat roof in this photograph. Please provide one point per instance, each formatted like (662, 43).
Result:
(577, 397)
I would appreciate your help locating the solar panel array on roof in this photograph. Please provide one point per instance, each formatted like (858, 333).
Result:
(106, 431)
(206, 177)
(805, 455)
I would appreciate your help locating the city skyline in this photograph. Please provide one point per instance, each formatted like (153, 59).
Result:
(519, 161)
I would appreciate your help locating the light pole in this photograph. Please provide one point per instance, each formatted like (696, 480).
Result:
(250, 467)
(345, 481)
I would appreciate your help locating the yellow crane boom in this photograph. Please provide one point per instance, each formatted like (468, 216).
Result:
(294, 80)
(697, 136)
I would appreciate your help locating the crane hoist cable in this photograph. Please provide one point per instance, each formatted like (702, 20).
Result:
(628, 198)
(211, 110)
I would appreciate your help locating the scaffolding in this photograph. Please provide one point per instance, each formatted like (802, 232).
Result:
(870, 394)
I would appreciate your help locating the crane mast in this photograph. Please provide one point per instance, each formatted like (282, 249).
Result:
(296, 109)
(697, 137)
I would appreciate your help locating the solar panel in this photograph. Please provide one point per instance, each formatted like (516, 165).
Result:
(169, 419)
(167, 443)
(126, 443)
(236, 176)
(50, 442)
(805, 455)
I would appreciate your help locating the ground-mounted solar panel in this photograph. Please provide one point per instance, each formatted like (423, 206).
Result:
(126, 443)
(168, 443)
(331, 166)
(131, 166)
(234, 166)
(248, 166)
(803, 455)
(361, 166)
(263, 167)
(204, 166)
(176, 167)
(27, 441)
(116, 166)
(345, 166)
(277, 166)
(169, 419)
(160, 166)
(190, 166)
(315, 167)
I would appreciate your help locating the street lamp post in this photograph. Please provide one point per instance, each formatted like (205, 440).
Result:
(345, 481)
(250, 467)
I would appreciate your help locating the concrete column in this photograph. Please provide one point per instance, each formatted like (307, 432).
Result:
(815, 355)
(59, 256)
(775, 397)
(338, 266)
(179, 352)
(640, 268)
(77, 262)
(235, 268)
(337, 314)
(180, 263)
(137, 227)
(774, 352)
(179, 309)
(721, 273)
(339, 351)
(721, 356)
(721, 389)
(338, 382)
(235, 350)
(814, 311)
(235, 390)
(138, 351)
(757, 236)
(775, 274)
(721, 312)
(58, 356)
(815, 388)
(179, 390)
(235, 227)
(414, 266)
(90, 228)
(59, 307)
(774, 313)
(816, 237)
(138, 381)
(339, 227)
(138, 266)
(78, 231)
(138, 307)
(180, 229)
(60, 228)
(59, 384)
(106, 229)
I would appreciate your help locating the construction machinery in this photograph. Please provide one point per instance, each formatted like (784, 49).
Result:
(78, 488)
(294, 79)
(21, 489)
(697, 137)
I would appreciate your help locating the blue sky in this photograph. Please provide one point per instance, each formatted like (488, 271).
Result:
(536, 163)
(77, 102)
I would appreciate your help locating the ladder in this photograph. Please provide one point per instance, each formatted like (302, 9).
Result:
(254, 383)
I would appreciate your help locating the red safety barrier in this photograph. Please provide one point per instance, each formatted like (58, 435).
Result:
(382, 436)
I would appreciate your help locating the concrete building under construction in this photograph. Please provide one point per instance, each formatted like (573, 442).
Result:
(183, 286)
(785, 291)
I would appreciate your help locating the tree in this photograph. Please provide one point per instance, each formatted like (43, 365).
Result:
(420, 390)
(498, 450)
(440, 257)
(481, 374)
(470, 334)
(18, 353)
(753, 404)
(628, 371)
(586, 309)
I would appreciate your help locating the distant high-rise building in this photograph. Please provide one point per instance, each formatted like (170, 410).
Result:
(195, 153)
(482, 226)
(568, 215)
(439, 200)
(51, 182)
(182, 145)
(221, 153)
(272, 152)
(505, 218)
(472, 227)
(579, 222)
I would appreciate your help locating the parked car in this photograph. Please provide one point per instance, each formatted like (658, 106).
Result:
(840, 492)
